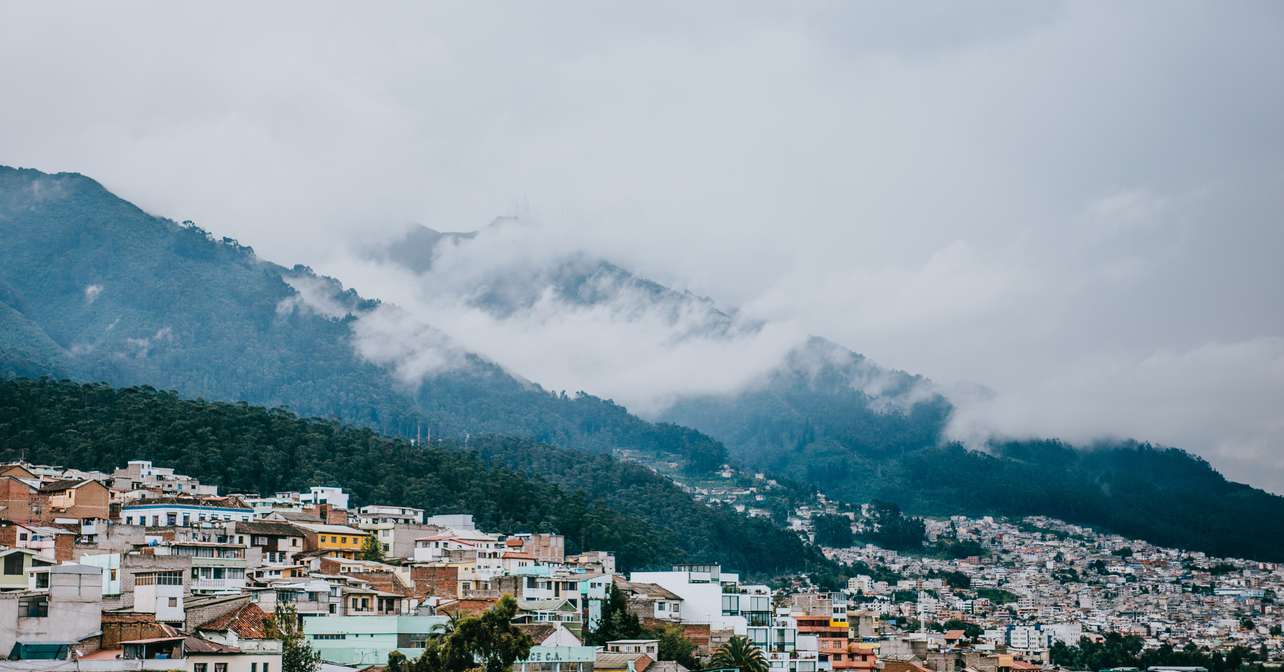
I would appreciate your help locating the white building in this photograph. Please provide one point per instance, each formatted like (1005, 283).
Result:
(160, 592)
(702, 593)
(377, 514)
(179, 513)
(333, 496)
(109, 563)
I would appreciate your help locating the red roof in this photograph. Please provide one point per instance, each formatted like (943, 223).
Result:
(248, 622)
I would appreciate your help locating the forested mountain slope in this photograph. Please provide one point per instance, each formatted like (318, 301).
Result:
(509, 484)
(95, 289)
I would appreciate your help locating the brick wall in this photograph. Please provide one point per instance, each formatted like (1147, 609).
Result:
(439, 581)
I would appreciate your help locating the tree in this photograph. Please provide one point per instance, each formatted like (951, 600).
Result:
(970, 630)
(371, 549)
(296, 655)
(492, 637)
(488, 641)
(741, 654)
(616, 621)
(892, 529)
(675, 646)
(832, 530)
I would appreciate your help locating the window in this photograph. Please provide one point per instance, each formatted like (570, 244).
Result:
(220, 667)
(34, 607)
(23, 536)
(173, 602)
(254, 667)
(13, 565)
(200, 667)
(266, 666)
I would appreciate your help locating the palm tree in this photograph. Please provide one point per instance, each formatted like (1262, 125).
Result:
(741, 654)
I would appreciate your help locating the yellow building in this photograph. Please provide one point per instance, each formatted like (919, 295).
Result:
(336, 540)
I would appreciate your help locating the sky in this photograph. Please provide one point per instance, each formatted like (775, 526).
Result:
(1075, 205)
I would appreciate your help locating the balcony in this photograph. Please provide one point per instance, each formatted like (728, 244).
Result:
(204, 585)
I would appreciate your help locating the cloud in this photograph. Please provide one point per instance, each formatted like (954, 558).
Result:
(312, 294)
(997, 193)
(414, 350)
(627, 345)
(141, 347)
(1225, 397)
(92, 292)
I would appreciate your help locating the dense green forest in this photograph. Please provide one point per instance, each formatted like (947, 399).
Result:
(508, 484)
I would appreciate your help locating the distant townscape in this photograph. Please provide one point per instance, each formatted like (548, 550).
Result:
(147, 568)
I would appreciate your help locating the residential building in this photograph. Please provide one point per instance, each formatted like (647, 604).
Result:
(184, 512)
(333, 496)
(377, 514)
(277, 542)
(52, 543)
(67, 611)
(367, 640)
(17, 566)
(336, 540)
(216, 567)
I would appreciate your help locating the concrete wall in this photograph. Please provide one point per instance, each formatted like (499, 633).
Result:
(238, 663)
(75, 609)
(110, 564)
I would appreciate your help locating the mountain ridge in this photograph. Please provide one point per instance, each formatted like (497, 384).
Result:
(97, 289)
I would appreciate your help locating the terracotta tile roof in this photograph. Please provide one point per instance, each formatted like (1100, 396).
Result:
(467, 606)
(248, 622)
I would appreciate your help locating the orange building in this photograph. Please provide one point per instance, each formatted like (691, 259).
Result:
(836, 644)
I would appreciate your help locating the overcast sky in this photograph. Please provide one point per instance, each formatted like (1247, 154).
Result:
(1077, 205)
